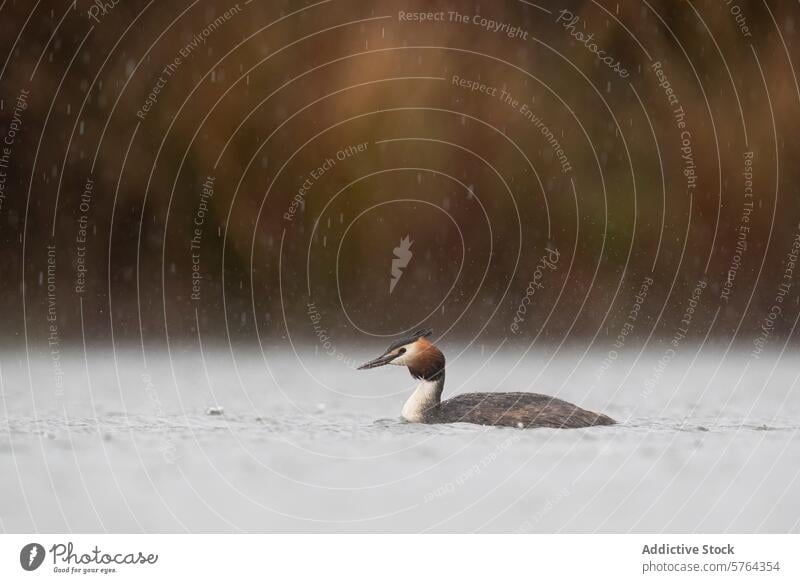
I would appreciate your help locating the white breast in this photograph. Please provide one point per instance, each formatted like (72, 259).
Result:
(425, 396)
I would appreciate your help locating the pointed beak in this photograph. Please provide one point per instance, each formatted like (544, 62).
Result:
(376, 362)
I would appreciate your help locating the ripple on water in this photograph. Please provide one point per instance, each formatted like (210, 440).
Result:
(344, 426)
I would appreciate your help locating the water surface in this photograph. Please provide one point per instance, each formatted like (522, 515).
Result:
(313, 445)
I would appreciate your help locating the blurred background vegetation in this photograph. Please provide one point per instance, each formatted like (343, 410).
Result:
(268, 93)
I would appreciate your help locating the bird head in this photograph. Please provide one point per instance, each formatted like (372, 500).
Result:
(423, 359)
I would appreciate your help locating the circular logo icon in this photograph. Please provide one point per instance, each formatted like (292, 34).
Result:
(31, 556)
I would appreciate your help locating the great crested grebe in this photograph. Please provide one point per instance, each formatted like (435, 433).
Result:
(426, 363)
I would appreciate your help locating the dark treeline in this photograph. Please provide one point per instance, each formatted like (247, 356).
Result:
(574, 172)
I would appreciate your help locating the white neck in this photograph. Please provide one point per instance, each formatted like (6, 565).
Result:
(426, 395)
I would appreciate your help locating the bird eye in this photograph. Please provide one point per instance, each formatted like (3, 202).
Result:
(401, 351)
